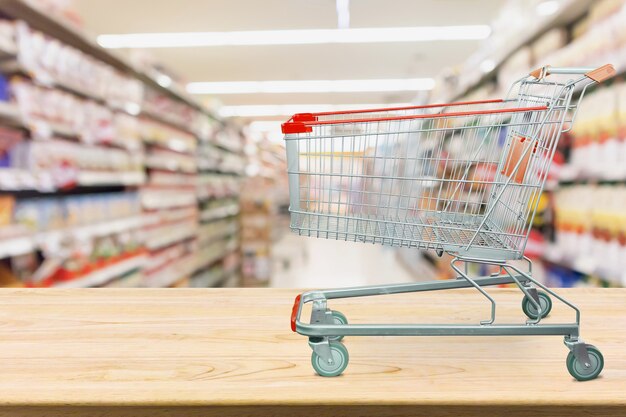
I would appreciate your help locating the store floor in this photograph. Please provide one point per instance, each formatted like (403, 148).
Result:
(300, 262)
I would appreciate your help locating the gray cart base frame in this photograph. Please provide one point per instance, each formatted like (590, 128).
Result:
(322, 328)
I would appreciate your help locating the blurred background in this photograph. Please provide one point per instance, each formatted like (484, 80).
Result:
(141, 146)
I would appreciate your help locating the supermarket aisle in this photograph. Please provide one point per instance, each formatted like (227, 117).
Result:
(319, 263)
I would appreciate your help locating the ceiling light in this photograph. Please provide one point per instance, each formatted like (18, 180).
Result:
(343, 14)
(310, 86)
(295, 37)
(547, 8)
(290, 109)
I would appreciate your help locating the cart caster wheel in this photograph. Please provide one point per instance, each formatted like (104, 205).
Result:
(338, 318)
(582, 373)
(340, 361)
(531, 311)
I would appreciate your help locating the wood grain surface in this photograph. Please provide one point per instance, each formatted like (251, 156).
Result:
(201, 352)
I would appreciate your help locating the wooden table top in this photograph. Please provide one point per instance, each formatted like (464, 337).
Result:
(188, 352)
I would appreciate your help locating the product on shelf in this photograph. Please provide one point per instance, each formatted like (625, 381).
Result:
(50, 213)
(7, 204)
(162, 159)
(48, 111)
(101, 122)
(164, 235)
(175, 112)
(156, 198)
(57, 163)
(9, 152)
(217, 186)
(7, 37)
(599, 143)
(208, 278)
(601, 39)
(81, 234)
(218, 209)
(216, 230)
(160, 134)
(591, 230)
(51, 62)
(518, 63)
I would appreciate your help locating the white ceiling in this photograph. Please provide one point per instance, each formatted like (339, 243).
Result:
(295, 62)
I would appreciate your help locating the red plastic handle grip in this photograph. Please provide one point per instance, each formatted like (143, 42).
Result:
(294, 312)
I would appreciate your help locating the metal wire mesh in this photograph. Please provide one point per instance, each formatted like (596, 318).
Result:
(462, 178)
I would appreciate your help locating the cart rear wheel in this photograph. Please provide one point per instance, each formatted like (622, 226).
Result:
(581, 372)
(338, 318)
(340, 357)
(531, 311)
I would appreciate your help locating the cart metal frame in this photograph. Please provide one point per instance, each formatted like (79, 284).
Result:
(473, 234)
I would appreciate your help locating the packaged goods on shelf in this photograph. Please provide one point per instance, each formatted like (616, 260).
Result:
(57, 163)
(164, 235)
(231, 163)
(213, 231)
(168, 179)
(161, 217)
(7, 204)
(8, 45)
(130, 280)
(603, 40)
(126, 132)
(209, 157)
(217, 186)
(591, 230)
(11, 155)
(257, 214)
(156, 198)
(210, 233)
(218, 209)
(92, 274)
(51, 62)
(231, 262)
(51, 213)
(162, 135)
(601, 9)
(208, 278)
(89, 237)
(162, 159)
(162, 257)
(548, 43)
(48, 111)
(171, 273)
(518, 63)
(214, 252)
(229, 140)
(175, 112)
(93, 119)
(599, 150)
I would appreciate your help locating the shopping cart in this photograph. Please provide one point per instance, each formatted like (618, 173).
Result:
(462, 178)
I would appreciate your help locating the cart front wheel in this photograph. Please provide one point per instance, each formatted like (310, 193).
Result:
(340, 357)
(338, 318)
(531, 311)
(585, 373)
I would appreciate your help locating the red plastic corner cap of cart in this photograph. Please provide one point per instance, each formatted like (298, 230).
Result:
(294, 312)
(297, 124)
(291, 127)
